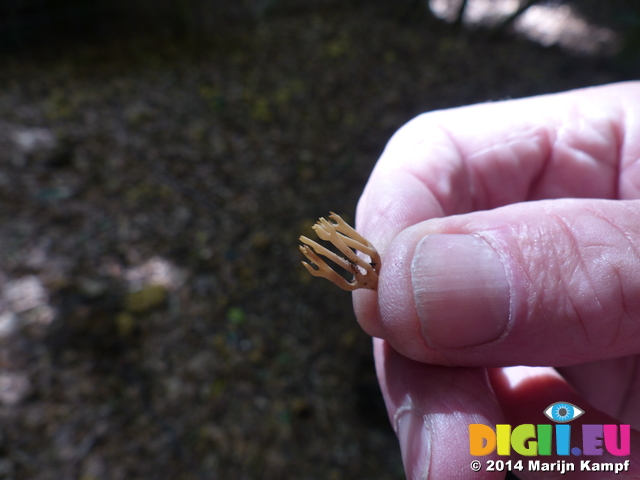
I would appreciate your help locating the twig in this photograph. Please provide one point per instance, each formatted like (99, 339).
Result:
(460, 15)
(507, 22)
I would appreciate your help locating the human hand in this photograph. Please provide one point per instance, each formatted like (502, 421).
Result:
(510, 235)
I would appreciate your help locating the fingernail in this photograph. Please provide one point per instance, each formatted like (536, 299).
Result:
(414, 442)
(461, 291)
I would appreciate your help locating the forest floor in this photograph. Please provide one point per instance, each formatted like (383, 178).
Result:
(155, 321)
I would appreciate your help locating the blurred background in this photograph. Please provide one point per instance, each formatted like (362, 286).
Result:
(159, 159)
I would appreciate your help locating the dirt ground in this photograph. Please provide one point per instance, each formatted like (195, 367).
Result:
(155, 321)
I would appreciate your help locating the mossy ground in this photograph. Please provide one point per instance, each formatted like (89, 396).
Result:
(186, 170)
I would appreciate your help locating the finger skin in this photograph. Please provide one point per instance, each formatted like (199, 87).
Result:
(572, 267)
(445, 401)
(571, 263)
(580, 144)
(448, 400)
(524, 393)
(612, 386)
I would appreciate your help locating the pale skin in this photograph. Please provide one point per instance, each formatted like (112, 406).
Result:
(509, 234)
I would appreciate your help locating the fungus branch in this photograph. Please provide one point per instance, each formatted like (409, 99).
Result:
(347, 241)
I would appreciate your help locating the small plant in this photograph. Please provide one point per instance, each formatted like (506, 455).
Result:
(348, 241)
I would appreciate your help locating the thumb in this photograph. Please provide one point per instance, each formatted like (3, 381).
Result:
(553, 282)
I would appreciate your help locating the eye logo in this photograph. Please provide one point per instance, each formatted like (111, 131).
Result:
(562, 412)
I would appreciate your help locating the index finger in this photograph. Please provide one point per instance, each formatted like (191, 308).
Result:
(574, 144)
(485, 156)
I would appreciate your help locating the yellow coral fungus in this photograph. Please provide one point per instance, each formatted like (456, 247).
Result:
(348, 241)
